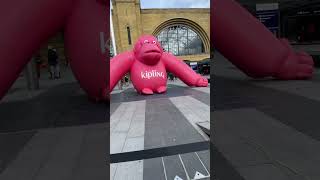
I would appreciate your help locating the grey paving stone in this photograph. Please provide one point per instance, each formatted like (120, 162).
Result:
(166, 126)
(127, 134)
(132, 170)
(133, 144)
(124, 122)
(173, 91)
(32, 157)
(235, 149)
(292, 103)
(52, 153)
(221, 167)
(265, 172)
(11, 144)
(153, 169)
(91, 162)
(277, 141)
(63, 156)
(193, 110)
(55, 107)
(113, 107)
(117, 141)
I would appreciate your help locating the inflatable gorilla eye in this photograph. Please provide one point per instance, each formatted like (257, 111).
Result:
(154, 42)
(145, 41)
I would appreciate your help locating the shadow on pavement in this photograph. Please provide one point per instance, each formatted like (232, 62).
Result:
(59, 106)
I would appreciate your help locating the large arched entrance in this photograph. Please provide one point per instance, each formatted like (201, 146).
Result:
(182, 37)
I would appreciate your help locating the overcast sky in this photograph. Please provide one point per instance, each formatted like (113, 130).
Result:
(145, 4)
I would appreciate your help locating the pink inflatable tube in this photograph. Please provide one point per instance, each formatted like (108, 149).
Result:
(25, 26)
(250, 46)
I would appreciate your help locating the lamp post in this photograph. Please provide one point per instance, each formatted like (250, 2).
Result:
(31, 75)
(113, 41)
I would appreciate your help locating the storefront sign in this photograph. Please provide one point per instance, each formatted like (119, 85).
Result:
(268, 14)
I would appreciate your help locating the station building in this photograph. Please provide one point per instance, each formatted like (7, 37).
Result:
(183, 32)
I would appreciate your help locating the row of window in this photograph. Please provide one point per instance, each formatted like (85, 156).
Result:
(178, 39)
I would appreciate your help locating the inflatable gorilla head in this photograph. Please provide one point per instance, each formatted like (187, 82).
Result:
(148, 50)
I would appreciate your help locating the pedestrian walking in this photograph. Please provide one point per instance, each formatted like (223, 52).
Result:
(126, 80)
(53, 62)
(38, 63)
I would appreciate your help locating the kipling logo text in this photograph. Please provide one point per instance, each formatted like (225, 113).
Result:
(151, 74)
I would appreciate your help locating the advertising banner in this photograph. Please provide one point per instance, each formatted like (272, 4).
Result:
(269, 15)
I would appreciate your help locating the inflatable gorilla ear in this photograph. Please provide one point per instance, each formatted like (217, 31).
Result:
(137, 46)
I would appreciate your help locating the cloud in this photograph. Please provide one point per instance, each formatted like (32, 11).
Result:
(145, 4)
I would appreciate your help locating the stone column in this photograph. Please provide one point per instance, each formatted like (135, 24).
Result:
(31, 75)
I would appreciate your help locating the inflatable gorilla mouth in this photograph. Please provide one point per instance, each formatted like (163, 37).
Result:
(153, 51)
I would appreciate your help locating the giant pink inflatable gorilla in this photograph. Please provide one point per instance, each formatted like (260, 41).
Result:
(148, 66)
(26, 25)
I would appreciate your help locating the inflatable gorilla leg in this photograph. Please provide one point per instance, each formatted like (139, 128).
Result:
(88, 59)
(24, 26)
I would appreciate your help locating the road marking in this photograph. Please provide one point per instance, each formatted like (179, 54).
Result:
(164, 169)
(177, 178)
(199, 176)
(202, 164)
(184, 167)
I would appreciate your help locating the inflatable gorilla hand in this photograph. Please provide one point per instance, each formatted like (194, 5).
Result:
(148, 66)
(250, 46)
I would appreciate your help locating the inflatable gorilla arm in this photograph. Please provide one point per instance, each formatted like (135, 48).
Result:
(182, 71)
(119, 66)
(250, 46)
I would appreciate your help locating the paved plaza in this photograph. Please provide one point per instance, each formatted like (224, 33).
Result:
(56, 133)
(162, 127)
(53, 133)
(265, 129)
(262, 129)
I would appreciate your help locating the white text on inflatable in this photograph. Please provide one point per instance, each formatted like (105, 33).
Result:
(151, 74)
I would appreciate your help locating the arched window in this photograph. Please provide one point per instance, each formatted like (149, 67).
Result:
(180, 40)
(129, 35)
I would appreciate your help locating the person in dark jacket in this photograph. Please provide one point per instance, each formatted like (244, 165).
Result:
(53, 63)
(38, 63)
